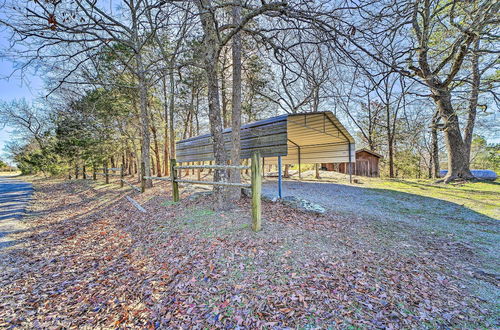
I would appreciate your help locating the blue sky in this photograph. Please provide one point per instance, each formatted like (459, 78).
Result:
(13, 86)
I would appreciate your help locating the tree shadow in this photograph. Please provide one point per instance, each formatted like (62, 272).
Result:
(430, 216)
(14, 198)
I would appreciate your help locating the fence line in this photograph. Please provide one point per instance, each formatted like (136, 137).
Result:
(255, 185)
(221, 167)
(106, 174)
(212, 183)
(161, 178)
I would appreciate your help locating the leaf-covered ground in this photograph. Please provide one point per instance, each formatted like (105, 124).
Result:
(90, 259)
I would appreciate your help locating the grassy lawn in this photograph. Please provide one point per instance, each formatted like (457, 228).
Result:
(481, 197)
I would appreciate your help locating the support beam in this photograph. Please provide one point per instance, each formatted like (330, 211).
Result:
(350, 164)
(280, 179)
(298, 149)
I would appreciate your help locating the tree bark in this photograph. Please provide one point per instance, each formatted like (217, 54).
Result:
(434, 147)
(211, 51)
(458, 161)
(236, 103)
(171, 113)
(165, 132)
(156, 150)
(223, 92)
(473, 101)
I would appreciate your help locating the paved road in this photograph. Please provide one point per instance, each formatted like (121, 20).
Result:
(14, 197)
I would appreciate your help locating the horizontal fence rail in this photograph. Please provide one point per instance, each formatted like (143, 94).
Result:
(216, 167)
(161, 178)
(212, 183)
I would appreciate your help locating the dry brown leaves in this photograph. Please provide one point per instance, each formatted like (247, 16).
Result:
(93, 260)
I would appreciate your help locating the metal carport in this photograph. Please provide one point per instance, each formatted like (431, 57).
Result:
(302, 138)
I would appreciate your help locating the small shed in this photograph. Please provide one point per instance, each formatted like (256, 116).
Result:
(367, 164)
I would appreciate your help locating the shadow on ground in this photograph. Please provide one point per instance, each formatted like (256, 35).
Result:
(14, 197)
(432, 217)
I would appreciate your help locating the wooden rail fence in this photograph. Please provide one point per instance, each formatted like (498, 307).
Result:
(255, 185)
(106, 174)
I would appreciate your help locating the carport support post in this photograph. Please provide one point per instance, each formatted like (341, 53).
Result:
(300, 171)
(279, 178)
(350, 164)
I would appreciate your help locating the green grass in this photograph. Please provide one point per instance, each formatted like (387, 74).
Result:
(481, 197)
(168, 203)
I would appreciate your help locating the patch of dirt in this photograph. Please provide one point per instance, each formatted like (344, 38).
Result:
(93, 260)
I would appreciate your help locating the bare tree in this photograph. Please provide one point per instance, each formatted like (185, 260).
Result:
(236, 100)
(75, 33)
(216, 36)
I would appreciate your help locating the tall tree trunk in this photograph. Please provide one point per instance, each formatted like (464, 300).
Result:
(143, 97)
(434, 147)
(156, 150)
(473, 101)
(210, 60)
(458, 161)
(224, 100)
(390, 140)
(225, 116)
(165, 133)
(236, 102)
(171, 112)
(145, 145)
(138, 163)
(390, 146)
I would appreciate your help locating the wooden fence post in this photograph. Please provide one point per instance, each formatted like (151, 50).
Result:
(122, 175)
(84, 172)
(122, 170)
(143, 179)
(76, 170)
(106, 172)
(256, 191)
(175, 184)
(94, 175)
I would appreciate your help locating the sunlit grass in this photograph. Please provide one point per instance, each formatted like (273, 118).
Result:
(482, 197)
